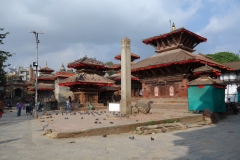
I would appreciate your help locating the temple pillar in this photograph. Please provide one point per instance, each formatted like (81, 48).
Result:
(126, 77)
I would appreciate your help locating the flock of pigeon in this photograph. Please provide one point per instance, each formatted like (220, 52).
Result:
(94, 113)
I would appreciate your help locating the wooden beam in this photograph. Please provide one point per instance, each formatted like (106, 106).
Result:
(195, 44)
(190, 43)
(174, 39)
(168, 70)
(179, 68)
(180, 38)
(147, 73)
(189, 65)
(169, 44)
(164, 45)
(153, 46)
(183, 39)
(158, 44)
(161, 70)
(154, 72)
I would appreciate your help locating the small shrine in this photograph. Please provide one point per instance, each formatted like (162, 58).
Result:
(88, 81)
(206, 91)
(15, 88)
(46, 88)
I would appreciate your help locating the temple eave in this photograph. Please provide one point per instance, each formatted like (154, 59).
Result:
(179, 62)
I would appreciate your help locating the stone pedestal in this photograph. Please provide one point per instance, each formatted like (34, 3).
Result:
(126, 77)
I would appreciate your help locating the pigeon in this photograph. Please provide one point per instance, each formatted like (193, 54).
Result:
(82, 118)
(96, 119)
(99, 122)
(136, 120)
(131, 137)
(105, 135)
(104, 118)
(152, 138)
(127, 116)
(67, 117)
(95, 122)
(111, 122)
(56, 113)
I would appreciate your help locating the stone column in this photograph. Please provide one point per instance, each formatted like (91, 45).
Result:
(126, 77)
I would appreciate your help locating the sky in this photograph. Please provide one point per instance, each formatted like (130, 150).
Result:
(95, 27)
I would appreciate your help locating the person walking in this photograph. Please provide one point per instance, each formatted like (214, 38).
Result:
(19, 107)
(1, 108)
(67, 105)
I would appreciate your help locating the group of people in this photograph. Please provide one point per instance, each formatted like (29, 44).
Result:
(28, 106)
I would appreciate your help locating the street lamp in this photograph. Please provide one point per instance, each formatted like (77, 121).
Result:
(36, 65)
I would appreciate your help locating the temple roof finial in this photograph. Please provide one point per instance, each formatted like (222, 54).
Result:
(46, 64)
(173, 27)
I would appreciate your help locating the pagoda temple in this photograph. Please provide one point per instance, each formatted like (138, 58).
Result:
(86, 84)
(45, 84)
(167, 73)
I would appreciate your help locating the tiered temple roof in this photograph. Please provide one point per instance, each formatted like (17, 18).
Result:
(133, 57)
(172, 57)
(179, 38)
(89, 63)
(87, 69)
(235, 65)
(117, 77)
(85, 79)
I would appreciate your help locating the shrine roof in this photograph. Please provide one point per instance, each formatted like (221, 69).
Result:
(64, 74)
(84, 78)
(205, 81)
(85, 61)
(206, 68)
(46, 69)
(235, 65)
(42, 86)
(177, 56)
(133, 56)
(180, 30)
(46, 77)
(116, 77)
(111, 88)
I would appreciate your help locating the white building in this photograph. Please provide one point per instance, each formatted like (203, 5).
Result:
(232, 79)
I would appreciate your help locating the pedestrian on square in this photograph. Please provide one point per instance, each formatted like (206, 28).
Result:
(1, 108)
(67, 105)
(19, 107)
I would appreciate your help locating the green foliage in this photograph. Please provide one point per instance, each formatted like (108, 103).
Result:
(223, 57)
(110, 72)
(3, 58)
(172, 120)
(151, 123)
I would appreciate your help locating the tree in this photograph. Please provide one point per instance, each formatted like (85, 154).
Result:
(3, 58)
(223, 57)
(110, 72)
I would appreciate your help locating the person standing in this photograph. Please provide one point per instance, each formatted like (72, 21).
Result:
(19, 108)
(1, 108)
(67, 105)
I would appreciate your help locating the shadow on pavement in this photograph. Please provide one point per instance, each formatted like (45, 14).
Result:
(1, 142)
(218, 141)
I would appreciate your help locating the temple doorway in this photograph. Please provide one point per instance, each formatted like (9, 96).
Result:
(18, 92)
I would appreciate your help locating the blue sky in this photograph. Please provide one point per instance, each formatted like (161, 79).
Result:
(95, 28)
